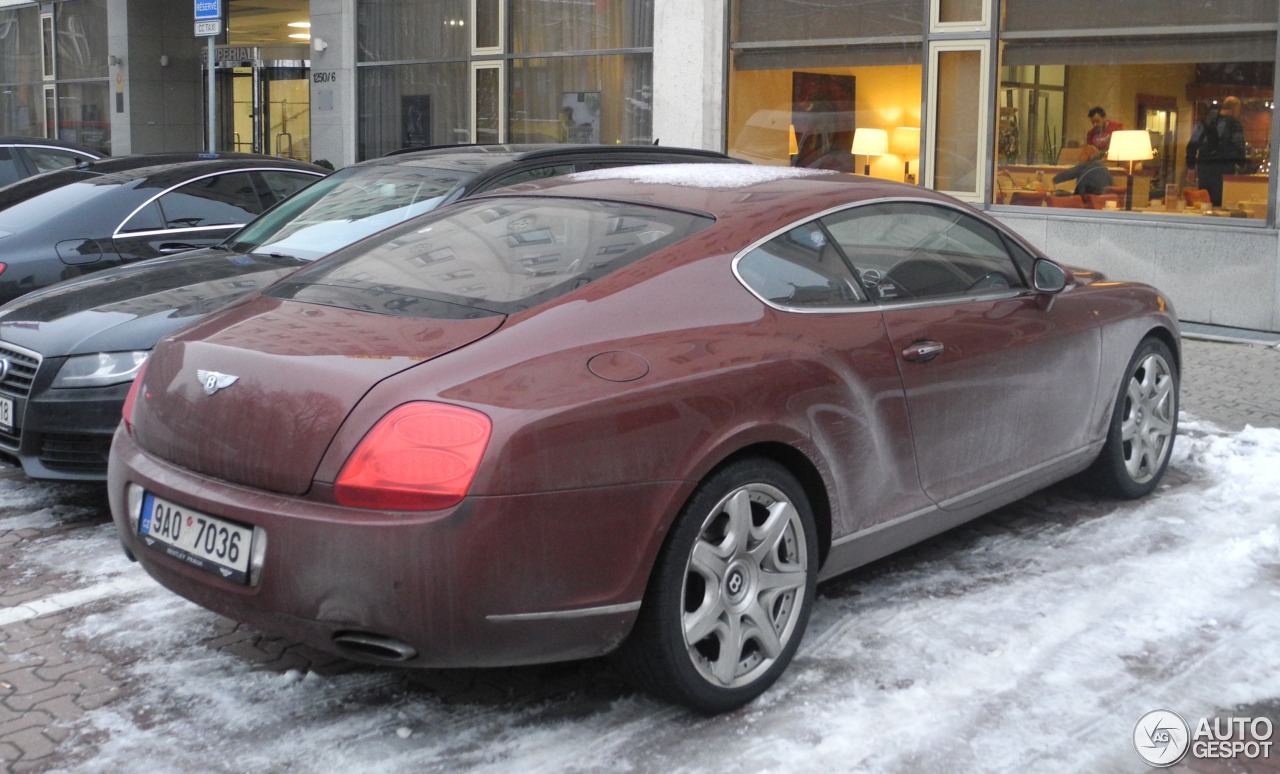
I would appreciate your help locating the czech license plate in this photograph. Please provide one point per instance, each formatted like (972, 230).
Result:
(214, 545)
(6, 413)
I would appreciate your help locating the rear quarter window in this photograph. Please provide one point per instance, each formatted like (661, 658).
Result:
(801, 269)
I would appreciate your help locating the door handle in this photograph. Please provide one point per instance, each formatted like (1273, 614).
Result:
(922, 351)
(175, 247)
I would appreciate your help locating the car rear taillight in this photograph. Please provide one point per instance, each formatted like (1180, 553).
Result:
(3, 266)
(420, 457)
(131, 398)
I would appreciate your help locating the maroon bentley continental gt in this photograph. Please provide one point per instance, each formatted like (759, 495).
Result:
(637, 411)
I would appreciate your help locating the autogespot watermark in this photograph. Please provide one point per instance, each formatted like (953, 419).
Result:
(1162, 738)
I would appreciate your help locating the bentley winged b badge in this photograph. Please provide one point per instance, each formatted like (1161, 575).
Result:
(212, 381)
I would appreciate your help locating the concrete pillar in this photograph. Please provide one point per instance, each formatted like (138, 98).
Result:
(689, 66)
(333, 81)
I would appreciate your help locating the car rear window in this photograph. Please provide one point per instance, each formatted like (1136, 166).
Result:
(490, 256)
(48, 205)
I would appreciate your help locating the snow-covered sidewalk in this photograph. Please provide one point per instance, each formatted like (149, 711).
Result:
(1030, 640)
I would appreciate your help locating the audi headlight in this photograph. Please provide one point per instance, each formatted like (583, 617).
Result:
(101, 370)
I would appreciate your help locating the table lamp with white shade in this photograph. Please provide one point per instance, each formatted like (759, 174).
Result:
(1130, 145)
(870, 142)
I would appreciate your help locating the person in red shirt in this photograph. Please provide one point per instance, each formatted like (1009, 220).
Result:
(1100, 135)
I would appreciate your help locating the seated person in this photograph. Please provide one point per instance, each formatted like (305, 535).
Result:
(1091, 175)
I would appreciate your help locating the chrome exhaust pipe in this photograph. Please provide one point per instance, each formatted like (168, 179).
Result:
(367, 645)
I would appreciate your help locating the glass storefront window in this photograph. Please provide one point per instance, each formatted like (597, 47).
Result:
(1039, 16)
(83, 116)
(82, 39)
(488, 25)
(824, 106)
(546, 26)
(401, 106)
(546, 84)
(487, 92)
(582, 99)
(48, 47)
(757, 21)
(1204, 96)
(393, 30)
(959, 11)
(957, 149)
(20, 70)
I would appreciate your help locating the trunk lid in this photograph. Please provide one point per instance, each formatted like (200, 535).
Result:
(254, 395)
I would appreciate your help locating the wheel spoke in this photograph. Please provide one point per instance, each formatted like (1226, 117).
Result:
(772, 532)
(706, 619)
(1137, 456)
(738, 534)
(761, 629)
(725, 666)
(792, 577)
(1161, 426)
(709, 561)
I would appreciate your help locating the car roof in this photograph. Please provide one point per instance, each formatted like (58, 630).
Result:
(41, 142)
(162, 169)
(762, 193)
(473, 157)
(150, 164)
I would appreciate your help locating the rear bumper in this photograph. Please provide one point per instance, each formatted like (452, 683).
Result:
(494, 581)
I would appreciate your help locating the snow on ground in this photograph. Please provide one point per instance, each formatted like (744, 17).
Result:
(1030, 640)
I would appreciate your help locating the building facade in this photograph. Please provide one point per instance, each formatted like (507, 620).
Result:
(990, 100)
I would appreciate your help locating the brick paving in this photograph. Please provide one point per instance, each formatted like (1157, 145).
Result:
(48, 682)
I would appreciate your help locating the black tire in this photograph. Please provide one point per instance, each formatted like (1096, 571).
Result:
(748, 605)
(1143, 425)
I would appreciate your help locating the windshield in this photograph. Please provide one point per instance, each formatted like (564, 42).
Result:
(347, 206)
(493, 256)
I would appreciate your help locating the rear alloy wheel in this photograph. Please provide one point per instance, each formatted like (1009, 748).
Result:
(731, 593)
(1143, 425)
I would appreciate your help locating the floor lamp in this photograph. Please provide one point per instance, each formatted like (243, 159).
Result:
(870, 142)
(1130, 145)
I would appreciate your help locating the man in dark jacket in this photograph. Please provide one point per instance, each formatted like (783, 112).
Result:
(1216, 148)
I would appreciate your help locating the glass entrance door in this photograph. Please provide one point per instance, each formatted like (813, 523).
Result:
(286, 111)
(265, 108)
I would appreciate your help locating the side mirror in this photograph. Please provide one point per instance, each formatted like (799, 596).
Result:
(1049, 277)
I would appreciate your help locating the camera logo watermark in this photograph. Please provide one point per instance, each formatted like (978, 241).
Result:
(1162, 738)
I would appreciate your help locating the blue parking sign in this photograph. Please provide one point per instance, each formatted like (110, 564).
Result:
(207, 10)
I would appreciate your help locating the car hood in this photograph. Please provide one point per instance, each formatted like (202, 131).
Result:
(133, 307)
(248, 397)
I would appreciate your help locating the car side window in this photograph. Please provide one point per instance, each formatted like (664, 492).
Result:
(802, 268)
(536, 173)
(280, 184)
(149, 218)
(911, 250)
(48, 159)
(217, 200)
(8, 167)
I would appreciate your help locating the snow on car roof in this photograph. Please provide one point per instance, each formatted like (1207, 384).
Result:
(698, 175)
